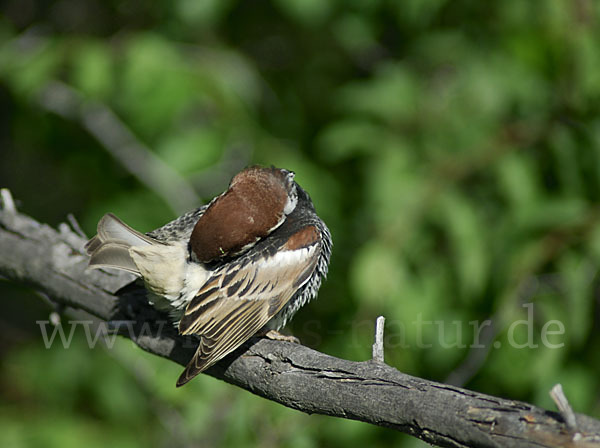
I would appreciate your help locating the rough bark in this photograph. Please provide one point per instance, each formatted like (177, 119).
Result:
(52, 261)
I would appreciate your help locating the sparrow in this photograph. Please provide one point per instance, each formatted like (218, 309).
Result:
(241, 265)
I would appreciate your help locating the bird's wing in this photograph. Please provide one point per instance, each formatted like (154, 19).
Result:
(239, 300)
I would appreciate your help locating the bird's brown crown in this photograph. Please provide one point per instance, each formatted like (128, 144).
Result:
(250, 209)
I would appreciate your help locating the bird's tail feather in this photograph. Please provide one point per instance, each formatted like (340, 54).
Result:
(110, 247)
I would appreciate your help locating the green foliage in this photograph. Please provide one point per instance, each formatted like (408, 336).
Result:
(452, 147)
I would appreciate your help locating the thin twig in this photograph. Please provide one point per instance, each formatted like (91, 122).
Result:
(75, 225)
(378, 345)
(8, 203)
(564, 407)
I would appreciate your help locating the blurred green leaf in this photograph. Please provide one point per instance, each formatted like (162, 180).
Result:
(355, 33)
(156, 86)
(377, 275)
(307, 12)
(206, 13)
(467, 236)
(578, 304)
(417, 12)
(519, 180)
(345, 139)
(191, 149)
(558, 212)
(93, 70)
(391, 96)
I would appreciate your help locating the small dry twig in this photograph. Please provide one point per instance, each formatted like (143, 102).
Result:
(378, 345)
(565, 409)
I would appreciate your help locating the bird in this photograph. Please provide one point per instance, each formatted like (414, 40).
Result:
(239, 266)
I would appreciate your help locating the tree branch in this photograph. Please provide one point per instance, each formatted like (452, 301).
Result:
(53, 262)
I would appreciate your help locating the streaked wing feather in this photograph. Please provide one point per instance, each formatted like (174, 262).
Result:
(224, 321)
